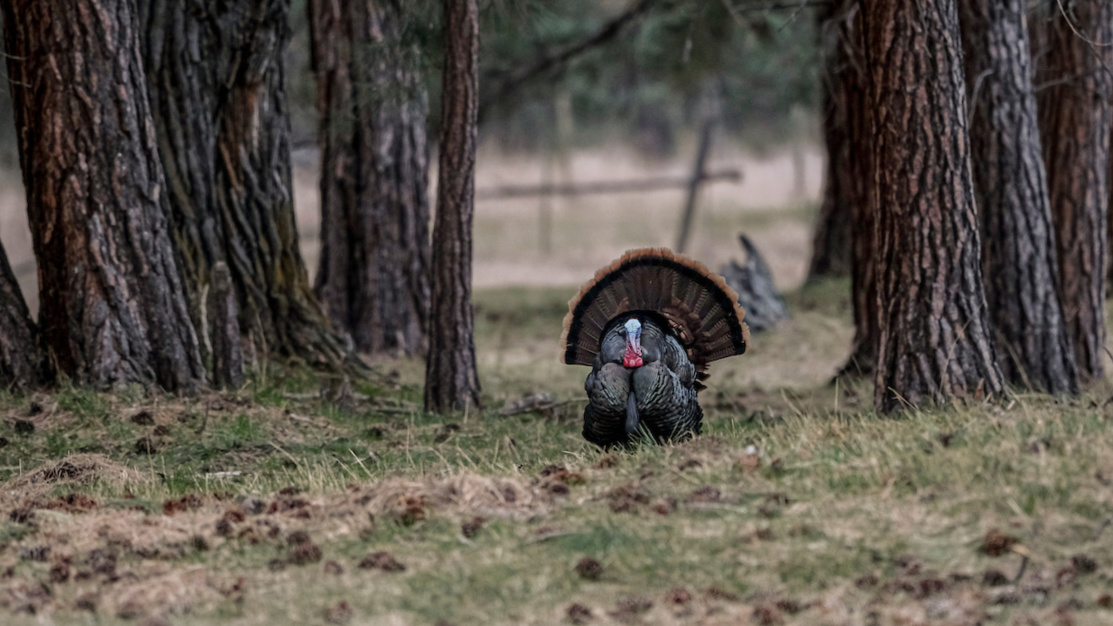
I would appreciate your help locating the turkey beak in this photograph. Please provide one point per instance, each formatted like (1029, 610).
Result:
(634, 342)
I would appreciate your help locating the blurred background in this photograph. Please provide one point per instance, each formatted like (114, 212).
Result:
(628, 105)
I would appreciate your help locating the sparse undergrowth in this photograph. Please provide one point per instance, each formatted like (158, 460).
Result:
(290, 502)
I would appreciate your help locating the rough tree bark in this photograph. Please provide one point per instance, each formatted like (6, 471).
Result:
(1019, 259)
(218, 91)
(451, 381)
(1076, 121)
(23, 362)
(831, 241)
(935, 335)
(855, 186)
(373, 278)
(112, 304)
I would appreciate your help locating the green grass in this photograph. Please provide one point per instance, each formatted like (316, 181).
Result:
(798, 505)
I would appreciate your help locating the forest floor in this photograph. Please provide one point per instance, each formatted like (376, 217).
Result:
(285, 504)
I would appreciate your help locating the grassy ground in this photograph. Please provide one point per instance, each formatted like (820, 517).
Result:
(288, 502)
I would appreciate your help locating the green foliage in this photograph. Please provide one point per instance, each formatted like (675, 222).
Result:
(645, 84)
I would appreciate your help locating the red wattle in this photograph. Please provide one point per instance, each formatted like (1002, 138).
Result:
(631, 358)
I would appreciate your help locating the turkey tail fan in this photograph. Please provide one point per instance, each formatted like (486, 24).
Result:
(700, 308)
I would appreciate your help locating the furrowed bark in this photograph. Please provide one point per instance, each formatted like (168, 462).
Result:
(855, 187)
(1076, 121)
(23, 362)
(218, 88)
(112, 304)
(935, 335)
(1019, 259)
(832, 239)
(374, 274)
(224, 330)
(451, 381)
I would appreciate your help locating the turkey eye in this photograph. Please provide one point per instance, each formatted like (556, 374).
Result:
(622, 333)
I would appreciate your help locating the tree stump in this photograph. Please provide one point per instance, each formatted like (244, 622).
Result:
(757, 294)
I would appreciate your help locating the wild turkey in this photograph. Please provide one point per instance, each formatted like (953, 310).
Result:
(648, 325)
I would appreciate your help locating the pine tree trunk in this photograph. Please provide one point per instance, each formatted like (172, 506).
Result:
(451, 381)
(112, 304)
(856, 186)
(217, 82)
(23, 362)
(374, 273)
(1076, 121)
(832, 239)
(935, 335)
(1019, 260)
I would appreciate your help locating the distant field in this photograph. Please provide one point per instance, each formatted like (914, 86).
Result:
(587, 232)
(799, 505)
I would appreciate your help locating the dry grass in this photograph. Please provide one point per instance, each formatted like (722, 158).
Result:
(799, 504)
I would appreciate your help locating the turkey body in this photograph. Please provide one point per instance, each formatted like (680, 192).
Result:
(648, 325)
(662, 390)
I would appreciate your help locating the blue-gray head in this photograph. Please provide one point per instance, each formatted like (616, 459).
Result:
(633, 356)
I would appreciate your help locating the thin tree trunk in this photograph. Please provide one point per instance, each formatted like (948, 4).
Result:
(374, 273)
(831, 241)
(1076, 120)
(855, 187)
(23, 362)
(112, 304)
(451, 381)
(218, 90)
(935, 336)
(1019, 260)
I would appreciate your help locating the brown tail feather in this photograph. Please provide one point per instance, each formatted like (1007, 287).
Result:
(700, 307)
